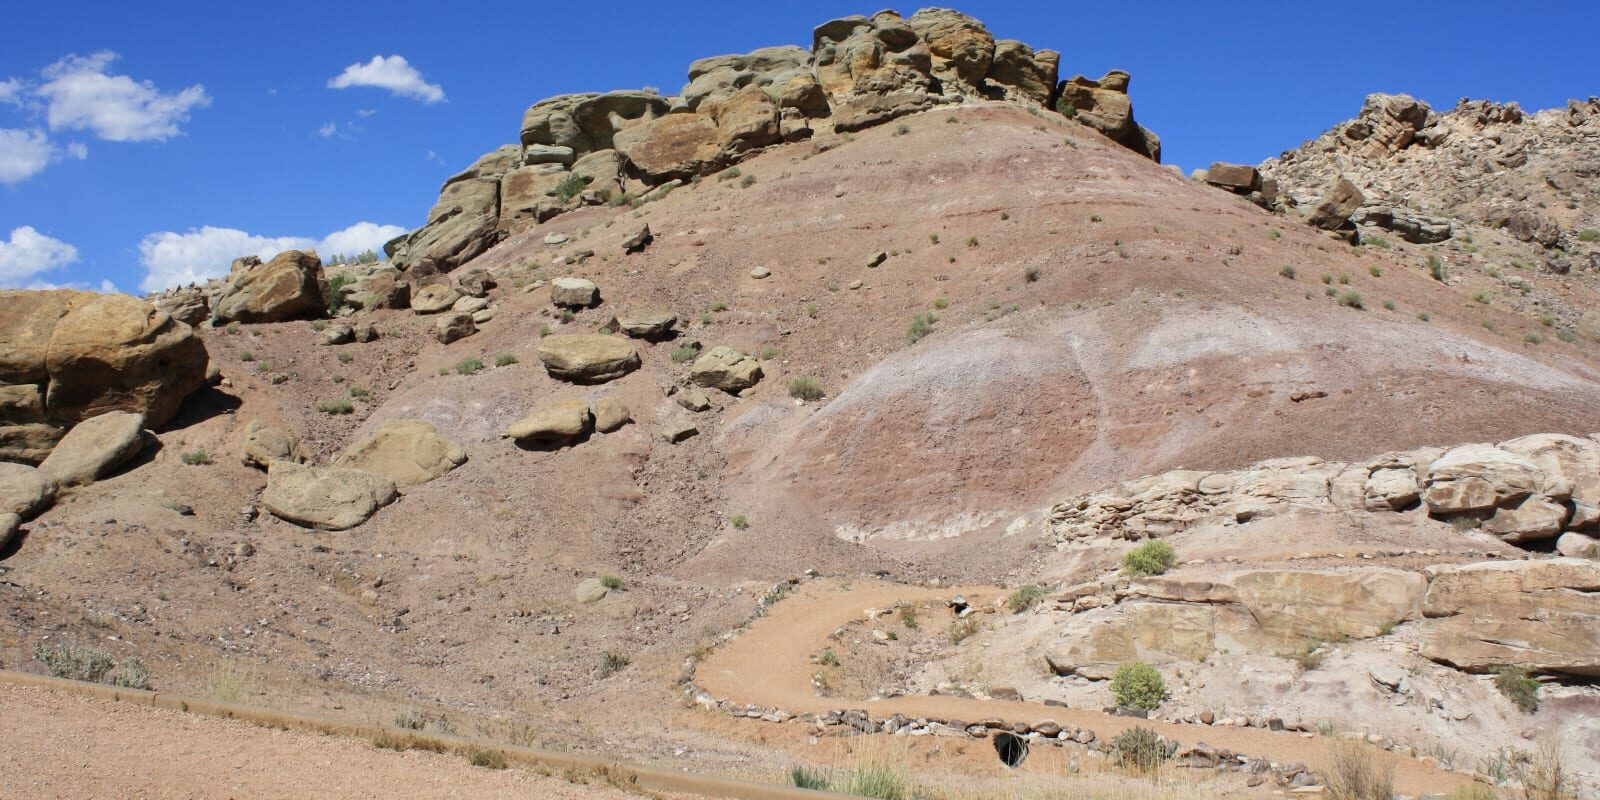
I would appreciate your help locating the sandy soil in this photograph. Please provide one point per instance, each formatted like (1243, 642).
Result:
(61, 746)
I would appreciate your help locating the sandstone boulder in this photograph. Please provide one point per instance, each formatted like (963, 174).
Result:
(1337, 204)
(408, 452)
(1237, 178)
(462, 224)
(649, 325)
(1104, 105)
(30, 443)
(590, 590)
(290, 286)
(189, 306)
(381, 289)
(555, 423)
(1410, 225)
(574, 292)
(1329, 606)
(434, 298)
(1543, 614)
(454, 326)
(24, 491)
(610, 414)
(1479, 477)
(1533, 518)
(10, 526)
(588, 122)
(727, 369)
(1023, 74)
(587, 358)
(962, 48)
(325, 498)
(1571, 465)
(95, 447)
(784, 72)
(1578, 545)
(263, 444)
(673, 146)
(637, 239)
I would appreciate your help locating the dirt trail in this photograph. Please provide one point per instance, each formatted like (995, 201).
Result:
(61, 746)
(769, 665)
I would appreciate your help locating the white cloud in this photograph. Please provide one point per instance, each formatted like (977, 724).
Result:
(175, 259)
(23, 154)
(29, 253)
(77, 150)
(328, 130)
(11, 91)
(366, 112)
(81, 96)
(391, 73)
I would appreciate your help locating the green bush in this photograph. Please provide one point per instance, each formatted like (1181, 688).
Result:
(94, 666)
(1437, 269)
(1139, 748)
(1287, 271)
(684, 353)
(1350, 299)
(1518, 687)
(346, 356)
(612, 582)
(921, 325)
(739, 521)
(1023, 599)
(611, 664)
(339, 406)
(1151, 558)
(488, 759)
(468, 366)
(1030, 274)
(505, 359)
(806, 388)
(1589, 235)
(1481, 296)
(197, 458)
(1138, 685)
(808, 778)
(570, 187)
(246, 356)
(336, 286)
(360, 392)
(747, 182)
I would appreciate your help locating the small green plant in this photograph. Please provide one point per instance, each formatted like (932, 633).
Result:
(94, 666)
(934, 238)
(877, 779)
(1518, 687)
(246, 356)
(1287, 271)
(749, 181)
(1589, 235)
(544, 330)
(739, 521)
(1030, 274)
(1350, 299)
(468, 366)
(505, 359)
(1424, 316)
(684, 353)
(1344, 279)
(1488, 325)
(232, 329)
(1274, 233)
(337, 377)
(612, 582)
(339, 406)
(964, 629)
(1311, 654)
(768, 353)
(1375, 271)
(1138, 685)
(729, 174)
(1005, 215)
(567, 316)
(1140, 749)
(345, 356)
(908, 617)
(197, 458)
(611, 664)
(1532, 338)
(828, 658)
(336, 286)
(1493, 273)
(1151, 558)
(570, 187)
(233, 681)
(921, 326)
(1375, 241)
(1024, 598)
(972, 241)
(1547, 320)
(812, 310)
(1437, 269)
(1327, 278)
(806, 388)
(487, 758)
(360, 393)
(1388, 305)
(1566, 336)
(719, 306)
(808, 778)
(1355, 772)
(1481, 296)
(941, 303)
(1095, 218)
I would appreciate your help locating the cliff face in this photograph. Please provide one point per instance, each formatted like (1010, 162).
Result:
(591, 149)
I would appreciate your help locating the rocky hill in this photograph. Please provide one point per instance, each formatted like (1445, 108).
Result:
(900, 323)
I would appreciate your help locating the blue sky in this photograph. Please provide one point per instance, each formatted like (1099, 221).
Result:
(145, 143)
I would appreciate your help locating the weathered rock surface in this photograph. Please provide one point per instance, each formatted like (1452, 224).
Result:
(25, 491)
(590, 590)
(556, 423)
(10, 526)
(290, 286)
(325, 498)
(434, 298)
(408, 452)
(587, 358)
(263, 444)
(574, 292)
(1104, 105)
(610, 414)
(95, 447)
(454, 326)
(727, 369)
(1541, 614)
(1338, 203)
(651, 325)
(187, 305)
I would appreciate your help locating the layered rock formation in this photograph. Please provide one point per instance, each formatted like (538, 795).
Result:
(583, 149)
(67, 356)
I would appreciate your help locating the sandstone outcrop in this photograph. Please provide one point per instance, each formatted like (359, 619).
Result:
(25, 491)
(408, 452)
(555, 423)
(95, 447)
(263, 444)
(727, 369)
(573, 292)
(325, 498)
(1544, 615)
(587, 358)
(290, 286)
(1104, 105)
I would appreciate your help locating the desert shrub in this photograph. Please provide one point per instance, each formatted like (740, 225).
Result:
(964, 629)
(1566, 336)
(749, 180)
(1355, 772)
(1350, 299)
(1518, 687)
(941, 303)
(877, 779)
(197, 458)
(1096, 218)
(828, 658)
(570, 187)
(1151, 558)
(488, 759)
(611, 664)
(1375, 241)
(246, 356)
(1543, 773)
(232, 329)
(811, 310)
(339, 406)
(1424, 316)
(921, 326)
(1533, 338)
(1274, 233)
(768, 353)
(1287, 271)
(1388, 305)
(94, 666)
(684, 353)
(1023, 598)
(468, 366)
(739, 521)
(336, 286)
(1139, 748)
(505, 359)
(345, 356)
(729, 174)
(1138, 685)
(1327, 278)
(908, 617)
(412, 720)
(1030, 274)
(360, 393)
(719, 306)
(1375, 271)
(933, 238)
(806, 388)
(1344, 279)
(612, 582)
(1481, 296)
(1589, 235)
(231, 681)
(808, 778)
(972, 241)
(1437, 269)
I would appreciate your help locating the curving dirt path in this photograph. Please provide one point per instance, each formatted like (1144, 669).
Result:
(769, 665)
(57, 745)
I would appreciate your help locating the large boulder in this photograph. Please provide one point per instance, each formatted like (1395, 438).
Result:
(1328, 606)
(290, 286)
(325, 498)
(574, 292)
(1337, 204)
(962, 49)
(610, 414)
(1542, 614)
(845, 51)
(784, 72)
(188, 305)
(673, 146)
(649, 325)
(1023, 74)
(1570, 464)
(587, 358)
(406, 451)
(1479, 477)
(454, 327)
(434, 298)
(462, 224)
(10, 526)
(25, 491)
(554, 423)
(95, 447)
(263, 444)
(1104, 105)
(727, 369)
(588, 122)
